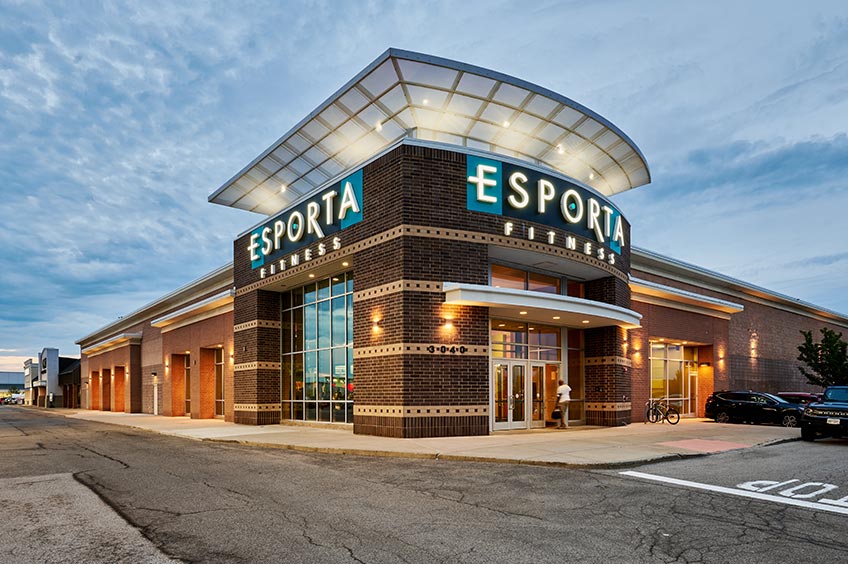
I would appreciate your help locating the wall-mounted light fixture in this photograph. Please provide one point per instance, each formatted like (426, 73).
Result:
(704, 365)
(375, 325)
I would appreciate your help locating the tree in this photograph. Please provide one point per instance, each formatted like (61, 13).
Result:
(13, 390)
(827, 361)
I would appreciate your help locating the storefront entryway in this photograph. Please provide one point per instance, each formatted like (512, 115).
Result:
(674, 375)
(519, 394)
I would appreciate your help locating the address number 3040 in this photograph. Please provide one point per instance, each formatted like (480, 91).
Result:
(448, 349)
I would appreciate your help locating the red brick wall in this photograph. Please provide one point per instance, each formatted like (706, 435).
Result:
(660, 322)
(770, 366)
(199, 339)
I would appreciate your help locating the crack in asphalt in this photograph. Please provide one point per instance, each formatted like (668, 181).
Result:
(106, 456)
(428, 492)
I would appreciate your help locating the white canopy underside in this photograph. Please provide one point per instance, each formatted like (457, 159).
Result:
(405, 94)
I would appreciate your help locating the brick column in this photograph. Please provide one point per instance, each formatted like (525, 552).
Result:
(94, 391)
(256, 394)
(607, 368)
(106, 390)
(132, 392)
(421, 366)
(118, 381)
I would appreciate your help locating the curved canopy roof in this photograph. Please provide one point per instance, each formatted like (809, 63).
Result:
(405, 94)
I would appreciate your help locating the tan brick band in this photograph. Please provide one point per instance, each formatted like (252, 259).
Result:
(420, 410)
(433, 233)
(608, 406)
(345, 251)
(257, 323)
(608, 360)
(398, 286)
(513, 242)
(256, 407)
(257, 366)
(433, 349)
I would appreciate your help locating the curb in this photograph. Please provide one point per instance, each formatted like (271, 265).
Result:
(439, 456)
(482, 459)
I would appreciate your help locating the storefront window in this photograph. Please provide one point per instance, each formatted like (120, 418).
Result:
(317, 363)
(508, 277)
(513, 339)
(575, 372)
(674, 375)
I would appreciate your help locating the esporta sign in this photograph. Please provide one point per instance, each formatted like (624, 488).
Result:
(521, 193)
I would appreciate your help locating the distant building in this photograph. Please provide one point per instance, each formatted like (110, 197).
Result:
(54, 381)
(30, 375)
(69, 381)
(11, 382)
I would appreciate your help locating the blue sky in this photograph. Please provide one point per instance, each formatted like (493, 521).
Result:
(117, 119)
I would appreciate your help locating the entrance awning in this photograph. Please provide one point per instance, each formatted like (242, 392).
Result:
(540, 307)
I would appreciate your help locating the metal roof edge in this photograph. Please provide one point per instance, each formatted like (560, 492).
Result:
(449, 63)
(639, 283)
(736, 284)
(135, 316)
(496, 75)
(320, 108)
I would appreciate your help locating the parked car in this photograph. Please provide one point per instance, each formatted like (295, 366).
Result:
(799, 397)
(753, 407)
(828, 417)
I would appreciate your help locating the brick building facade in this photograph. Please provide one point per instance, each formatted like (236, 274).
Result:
(421, 274)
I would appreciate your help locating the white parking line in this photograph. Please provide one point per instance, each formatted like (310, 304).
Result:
(744, 493)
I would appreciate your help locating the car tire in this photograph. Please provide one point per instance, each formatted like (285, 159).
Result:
(789, 420)
(808, 433)
(722, 417)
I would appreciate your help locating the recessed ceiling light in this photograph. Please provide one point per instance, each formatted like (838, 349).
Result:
(556, 317)
(685, 342)
(506, 124)
(312, 276)
(282, 188)
(532, 328)
(522, 313)
(501, 324)
(585, 321)
(559, 149)
(345, 263)
(426, 102)
(591, 176)
(379, 126)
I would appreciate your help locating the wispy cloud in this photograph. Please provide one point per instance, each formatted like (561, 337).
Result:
(118, 119)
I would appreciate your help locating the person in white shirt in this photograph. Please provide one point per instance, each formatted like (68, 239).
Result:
(563, 398)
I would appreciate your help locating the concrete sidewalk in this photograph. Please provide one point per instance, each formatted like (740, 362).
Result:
(575, 447)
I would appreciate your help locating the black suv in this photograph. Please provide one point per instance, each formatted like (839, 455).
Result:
(828, 417)
(753, 407)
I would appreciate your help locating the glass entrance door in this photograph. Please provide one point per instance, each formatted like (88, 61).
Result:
(537, 394)
(519, 401)
(510, 393)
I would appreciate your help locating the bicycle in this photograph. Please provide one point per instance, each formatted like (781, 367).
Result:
(658, 410)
